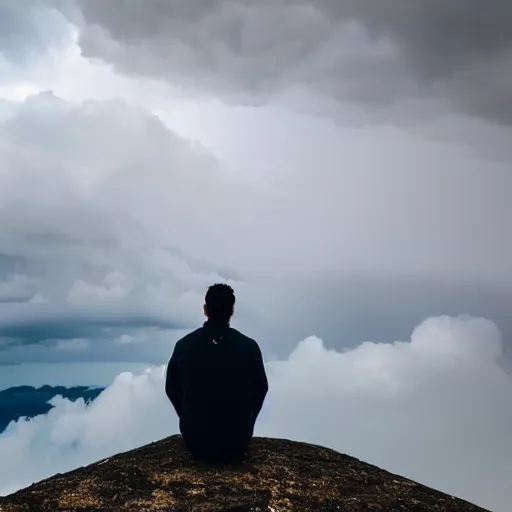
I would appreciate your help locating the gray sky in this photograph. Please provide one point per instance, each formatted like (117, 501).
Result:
(355, 50)
(311, 154)
(344, 165)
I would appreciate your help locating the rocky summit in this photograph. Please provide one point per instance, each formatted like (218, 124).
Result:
(278, 475)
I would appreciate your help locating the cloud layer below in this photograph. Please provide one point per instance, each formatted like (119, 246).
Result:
(436, 408)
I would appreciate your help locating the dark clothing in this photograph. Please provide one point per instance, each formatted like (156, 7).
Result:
(216, 382)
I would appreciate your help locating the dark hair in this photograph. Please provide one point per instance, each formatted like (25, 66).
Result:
(219, 300)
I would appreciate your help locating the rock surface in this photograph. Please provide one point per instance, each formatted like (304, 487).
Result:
(278, 475)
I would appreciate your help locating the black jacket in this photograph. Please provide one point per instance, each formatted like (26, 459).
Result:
(216, 381)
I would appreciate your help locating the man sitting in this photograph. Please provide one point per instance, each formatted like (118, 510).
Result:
(217, 383)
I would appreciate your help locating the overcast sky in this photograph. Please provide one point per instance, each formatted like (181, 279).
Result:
(345, 165)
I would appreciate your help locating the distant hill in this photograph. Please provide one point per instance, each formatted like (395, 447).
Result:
(278, 476)
(27, 401)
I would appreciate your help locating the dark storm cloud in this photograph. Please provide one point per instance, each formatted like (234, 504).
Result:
(28, 324)
(151, 345)
(460, 49)
(464, 44)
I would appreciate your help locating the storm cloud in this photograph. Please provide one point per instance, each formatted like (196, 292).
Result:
(372, 53)
(82, 259)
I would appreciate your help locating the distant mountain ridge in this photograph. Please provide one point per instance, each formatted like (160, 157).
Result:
(29, 401)
(278, 476)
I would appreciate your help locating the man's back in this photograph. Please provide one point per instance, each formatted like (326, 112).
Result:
(217, 383)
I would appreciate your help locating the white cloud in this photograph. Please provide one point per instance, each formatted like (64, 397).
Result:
(435, 409)
(115, 288)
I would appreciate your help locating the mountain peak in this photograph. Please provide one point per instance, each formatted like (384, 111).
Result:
(278, 475)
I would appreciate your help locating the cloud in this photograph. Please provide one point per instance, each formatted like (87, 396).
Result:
(353, 51)
(67, 374)
(114, 225)
(435, 408)
(22, 31)
(28, 402)
(114, 288)
(18, 288)
(97, 223)
(31, 33)
(36, 322)
(111, 178)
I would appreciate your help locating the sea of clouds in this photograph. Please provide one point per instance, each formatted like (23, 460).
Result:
(424, 408)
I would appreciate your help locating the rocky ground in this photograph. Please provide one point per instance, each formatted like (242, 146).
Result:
(278, 476)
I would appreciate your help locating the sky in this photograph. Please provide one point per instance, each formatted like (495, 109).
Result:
(345, 166)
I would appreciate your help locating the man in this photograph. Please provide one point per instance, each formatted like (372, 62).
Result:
(216, 382)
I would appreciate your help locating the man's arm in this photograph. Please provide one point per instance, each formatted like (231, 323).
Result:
(260, 381)
(173, 384)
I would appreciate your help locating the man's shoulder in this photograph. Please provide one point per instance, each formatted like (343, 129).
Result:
(243, 338)
(189, 337)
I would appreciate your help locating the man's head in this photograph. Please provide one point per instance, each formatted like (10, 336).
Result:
(219, 303)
